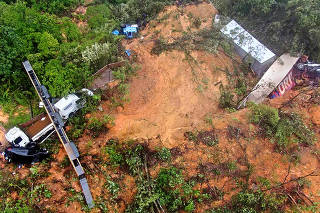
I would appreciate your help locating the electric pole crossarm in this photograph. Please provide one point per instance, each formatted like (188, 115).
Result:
(58, 125)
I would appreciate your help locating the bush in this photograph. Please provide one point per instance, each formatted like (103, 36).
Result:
(138, 10)
(96, 126)
(283, 128)
(290, 125)
(266, 117)
(98, 15)
(116, 158)
(169, 187)
(256, 202)
(253, 202)
(226, 98)
(164, 154)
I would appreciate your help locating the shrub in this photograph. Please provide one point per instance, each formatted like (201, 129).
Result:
(290, 125)
(208, 138)
(196, 22)
(266, 117)
(134, 158)
(98, 125)
(116, 158)
(253, 202)
(283, 128)
(226, 98)
(95, 125)
(164, 154)
(113, 188)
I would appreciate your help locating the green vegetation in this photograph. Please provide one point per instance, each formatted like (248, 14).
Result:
(62, 55)
(29, 195)
(250, 201)
(291, 25)
(113, 188)
(56, 48)
(98, 125)
(282, 127)
(226, 98)
(164, 154)
(240, 81)
(208, 138)
(168, 190)
(206, 39)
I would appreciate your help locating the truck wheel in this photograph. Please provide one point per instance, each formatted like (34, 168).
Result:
(31, 145)
(35, 160)
(71, 115)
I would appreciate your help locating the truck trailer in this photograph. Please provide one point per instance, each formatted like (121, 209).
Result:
(40, 127)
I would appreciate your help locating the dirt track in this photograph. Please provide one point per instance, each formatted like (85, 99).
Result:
(4, 119)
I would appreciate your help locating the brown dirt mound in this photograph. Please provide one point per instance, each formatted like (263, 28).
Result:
(166, 98)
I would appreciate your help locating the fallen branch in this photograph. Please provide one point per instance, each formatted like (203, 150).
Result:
(292, 180)
(156, 202)
(289, 168)
(303, 194)
(291, 198)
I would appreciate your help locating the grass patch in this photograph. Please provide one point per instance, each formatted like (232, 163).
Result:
(29, 194)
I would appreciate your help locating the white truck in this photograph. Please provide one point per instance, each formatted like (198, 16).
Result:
(36, 130)
(40, 128)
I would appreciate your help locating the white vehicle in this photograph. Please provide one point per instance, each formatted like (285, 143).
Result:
(36, 130)
(70, 104)
(17, 137)
(67, 106)
(40, 128)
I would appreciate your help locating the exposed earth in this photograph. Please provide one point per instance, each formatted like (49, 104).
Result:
(169, 97)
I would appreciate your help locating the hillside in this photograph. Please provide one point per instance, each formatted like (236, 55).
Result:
(176, 142)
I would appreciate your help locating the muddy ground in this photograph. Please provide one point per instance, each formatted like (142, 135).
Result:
(168, 97)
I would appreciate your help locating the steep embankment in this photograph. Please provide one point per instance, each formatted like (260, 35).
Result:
(173, 94)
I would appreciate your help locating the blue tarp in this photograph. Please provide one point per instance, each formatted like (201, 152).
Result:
(115, 32)
(128, 52)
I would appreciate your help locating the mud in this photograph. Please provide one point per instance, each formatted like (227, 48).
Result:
(165, 98)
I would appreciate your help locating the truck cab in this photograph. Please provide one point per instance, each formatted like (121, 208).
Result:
(17, 137)
(40, 127)
(68, 105)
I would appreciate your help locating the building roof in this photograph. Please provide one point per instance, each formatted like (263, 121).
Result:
(247, 42)
(272, 78)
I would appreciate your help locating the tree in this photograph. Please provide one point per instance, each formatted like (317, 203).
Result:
(284, 25)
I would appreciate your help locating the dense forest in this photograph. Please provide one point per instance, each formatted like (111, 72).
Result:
(64, 56)
(283, 25)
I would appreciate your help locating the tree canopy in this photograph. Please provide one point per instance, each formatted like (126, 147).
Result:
(52, 44)
(62, 54)
(284, 25)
